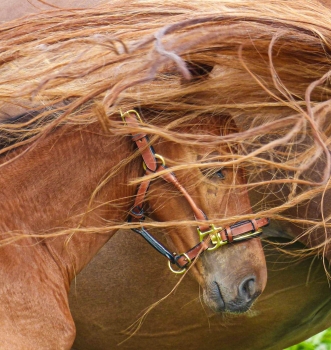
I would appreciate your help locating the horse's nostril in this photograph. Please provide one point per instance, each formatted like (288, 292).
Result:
(247, 289)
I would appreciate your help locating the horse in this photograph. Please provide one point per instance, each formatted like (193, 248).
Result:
(74, 172)
(294, 198)
(255, 65)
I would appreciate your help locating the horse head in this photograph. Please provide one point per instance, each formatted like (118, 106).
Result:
(202, 191)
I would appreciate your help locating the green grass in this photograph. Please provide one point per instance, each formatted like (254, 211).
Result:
(320, 341)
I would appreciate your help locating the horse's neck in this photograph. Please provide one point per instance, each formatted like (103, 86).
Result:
(49, 189)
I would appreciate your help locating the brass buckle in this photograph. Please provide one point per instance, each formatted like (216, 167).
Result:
(187, 258)
(130, 111)
(157, 156)
(215, 236)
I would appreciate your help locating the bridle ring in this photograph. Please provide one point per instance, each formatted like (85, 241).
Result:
(178, 272)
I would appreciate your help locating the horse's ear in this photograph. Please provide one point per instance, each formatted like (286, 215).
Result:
(199, 70)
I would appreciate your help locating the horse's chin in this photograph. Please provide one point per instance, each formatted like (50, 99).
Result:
(213, 298)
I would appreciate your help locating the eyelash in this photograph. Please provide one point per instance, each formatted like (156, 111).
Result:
(211, 172)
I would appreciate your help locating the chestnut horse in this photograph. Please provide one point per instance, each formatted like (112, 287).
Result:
(266, 67)
(60, 230)
(291, 46)
(70, 172)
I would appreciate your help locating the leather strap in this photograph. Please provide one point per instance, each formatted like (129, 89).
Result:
(228, 234)
(243, 227)
(142, 142)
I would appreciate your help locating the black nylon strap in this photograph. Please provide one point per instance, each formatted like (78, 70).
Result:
(155, 244)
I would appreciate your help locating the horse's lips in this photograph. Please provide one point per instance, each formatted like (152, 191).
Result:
(213, 297)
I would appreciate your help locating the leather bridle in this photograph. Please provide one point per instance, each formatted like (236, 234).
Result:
(218, 236)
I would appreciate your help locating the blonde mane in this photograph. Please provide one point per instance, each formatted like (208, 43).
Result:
(270, 72)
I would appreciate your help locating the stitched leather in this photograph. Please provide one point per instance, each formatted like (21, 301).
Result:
(227, 234)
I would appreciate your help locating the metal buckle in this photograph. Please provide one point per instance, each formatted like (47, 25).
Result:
(130, 111)
(187, 258)
(215, 236)
(157, 156)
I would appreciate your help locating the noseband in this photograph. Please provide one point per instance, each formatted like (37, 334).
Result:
(218, 236)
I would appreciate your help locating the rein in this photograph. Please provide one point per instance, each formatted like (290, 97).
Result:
(218, 236)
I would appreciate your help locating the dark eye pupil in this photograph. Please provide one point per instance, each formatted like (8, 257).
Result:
(220, 174)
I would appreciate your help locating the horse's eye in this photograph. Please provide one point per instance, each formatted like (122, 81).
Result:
(220, 174)
(211, 173)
